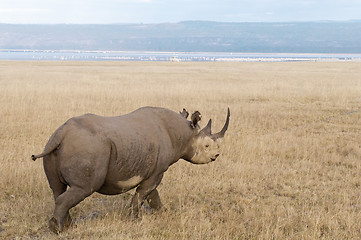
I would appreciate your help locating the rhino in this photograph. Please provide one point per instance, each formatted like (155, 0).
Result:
(111, 155)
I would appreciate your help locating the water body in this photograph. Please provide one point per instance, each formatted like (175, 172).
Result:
(54, 55)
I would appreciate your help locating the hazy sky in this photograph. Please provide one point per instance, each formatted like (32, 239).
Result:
(159, 11)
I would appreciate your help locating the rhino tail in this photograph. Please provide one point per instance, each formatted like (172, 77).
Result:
(53, 144)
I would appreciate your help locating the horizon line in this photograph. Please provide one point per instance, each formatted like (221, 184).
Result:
(185, 21)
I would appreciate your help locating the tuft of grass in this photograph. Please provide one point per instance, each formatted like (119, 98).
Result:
(291, 161)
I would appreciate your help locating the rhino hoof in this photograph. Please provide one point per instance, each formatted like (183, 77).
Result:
(68, 221)
(54, 226)
(134, 216)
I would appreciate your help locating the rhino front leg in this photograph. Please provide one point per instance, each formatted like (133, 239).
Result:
(143, 191)
(154, 200)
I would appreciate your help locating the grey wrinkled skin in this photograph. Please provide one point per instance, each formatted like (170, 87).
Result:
(111, 155)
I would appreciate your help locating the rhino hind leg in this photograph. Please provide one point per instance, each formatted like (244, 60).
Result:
(58, 188)
(79, 189)
(63, 203)
(53, 224)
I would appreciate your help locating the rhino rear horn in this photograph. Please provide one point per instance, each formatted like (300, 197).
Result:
(207, 130)
(224, 129)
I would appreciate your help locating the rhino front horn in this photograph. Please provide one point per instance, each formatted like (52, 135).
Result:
(224, 129)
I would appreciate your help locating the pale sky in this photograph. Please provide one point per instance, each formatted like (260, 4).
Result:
(162, 11)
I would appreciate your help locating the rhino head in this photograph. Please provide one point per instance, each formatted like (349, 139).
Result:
(204, 147)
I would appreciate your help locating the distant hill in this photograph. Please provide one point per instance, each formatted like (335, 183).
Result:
(190, 36)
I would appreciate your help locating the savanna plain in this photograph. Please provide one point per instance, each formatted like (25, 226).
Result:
(290, 166)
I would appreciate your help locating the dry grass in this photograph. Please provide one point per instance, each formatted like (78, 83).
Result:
(291, 167)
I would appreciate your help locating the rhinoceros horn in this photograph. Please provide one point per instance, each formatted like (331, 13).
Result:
(207, 129)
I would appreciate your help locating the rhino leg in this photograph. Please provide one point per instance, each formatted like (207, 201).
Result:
(63, 203)
(80, 188)
(67, 219)
(56, 186)
(154, 200)
(142, 192)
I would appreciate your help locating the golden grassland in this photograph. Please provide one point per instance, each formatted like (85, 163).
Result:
(291, 162)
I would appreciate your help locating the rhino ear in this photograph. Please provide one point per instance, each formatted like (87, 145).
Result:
(184, 113)
(195, 118)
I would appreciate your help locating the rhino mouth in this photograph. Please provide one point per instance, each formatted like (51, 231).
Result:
(214, 158)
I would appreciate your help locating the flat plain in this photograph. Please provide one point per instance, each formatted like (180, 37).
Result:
(290, 166)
